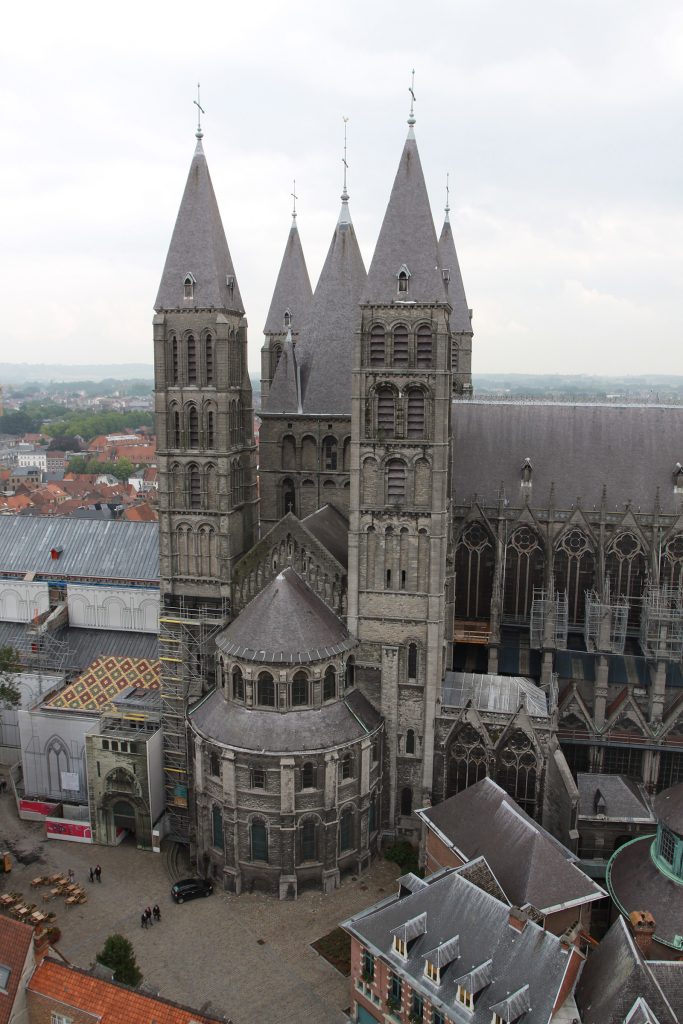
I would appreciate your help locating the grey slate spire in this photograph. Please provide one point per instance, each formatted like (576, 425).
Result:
(326, 346)
(199, 248)
(285, 391)
(407, 239)
(293, 290)
(455, 290)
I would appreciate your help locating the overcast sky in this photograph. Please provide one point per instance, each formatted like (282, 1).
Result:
(560, 124)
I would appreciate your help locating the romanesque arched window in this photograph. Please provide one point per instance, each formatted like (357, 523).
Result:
(210, 428)
(191, 360)
(351, 671)
(237, 684)
(265, 689)
(288, 496)
(424, 353)
(329, 684)
(307, 840)
(177, 489)
(410, 741)
(474, 573)
(406, 801)
(308, 776)
(183, 540)
(300, 689)
(214, 765)
(330, 453)
(194, 486)
(288, 452)
(208, 358)
(517, 770)
(346, 829)
(176, 429)
(400, 345)
(174, 360)
(377, 346)
(467, 760)
(626, 569)
(206, 537)
(386, 412)
(259, 840)
(211, 486)
(193, 427)
(574, 566)
(395, 481)
(217, 837)
(415, 421)
(524, 570)
(412, 661)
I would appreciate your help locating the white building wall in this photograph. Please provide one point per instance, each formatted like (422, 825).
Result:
(53, 753)
(21, 602)
(155, 774)
(125, 608)
(35, 458)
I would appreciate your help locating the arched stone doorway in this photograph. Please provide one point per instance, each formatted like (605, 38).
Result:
(123, 815)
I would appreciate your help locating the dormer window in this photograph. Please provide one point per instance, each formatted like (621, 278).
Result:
(288, 319)
(403, 277)
(400, 946)
(188, 287)
(465, 997)
(526, 471)
(678, 478)
(432, 972)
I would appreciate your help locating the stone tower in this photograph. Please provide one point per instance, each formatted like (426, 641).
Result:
(203, 403)
(400, 582)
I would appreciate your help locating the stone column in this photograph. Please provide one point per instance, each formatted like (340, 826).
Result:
(288, 888)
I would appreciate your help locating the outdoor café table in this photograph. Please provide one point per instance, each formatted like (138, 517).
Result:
(55, 892)
(35, 882)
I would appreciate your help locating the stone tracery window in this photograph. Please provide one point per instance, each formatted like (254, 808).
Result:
(517, 770)
(467, 760)
(474, 573)
(574, 566)
(671, 563)
(626, 570)
(523, 572)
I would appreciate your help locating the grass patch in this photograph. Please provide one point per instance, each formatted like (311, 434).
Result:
(335, 947)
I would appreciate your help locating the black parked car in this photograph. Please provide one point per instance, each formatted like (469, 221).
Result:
(191, 888)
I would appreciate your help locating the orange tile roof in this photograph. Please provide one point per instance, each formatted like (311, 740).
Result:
(110, 1002)
(15, 942)
(142, 513)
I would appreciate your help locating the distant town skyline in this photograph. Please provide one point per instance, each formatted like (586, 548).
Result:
(559, 128)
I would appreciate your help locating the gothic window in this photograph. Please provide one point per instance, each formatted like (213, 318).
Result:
(208, 358)
(288, 496)
(523, 572)
(377, 346)
(218, 839)
(307, 843)
(308, 776)
(176, 429)
(174, 360)
(193, 426)
(346, 829)
(214, 765)
(516, 770)
(210, 429)
(406, 801)
(412, 661)
(474, 573)
(237, 684)
(626, 569)
(396, 481)
(416, 413)
(410, 741)
(195, 486)
(300, 690)
(574, 567)
(424, 346)
(329, 684)
(57, 758)
(467, 760)
(235, 479)
(671, 562)
(386, 412)
(400, 354)
(623, 761)
(188, 287)
(351, 672)
(259, 841)
(191, 360)
(330, 453)
(266, 690)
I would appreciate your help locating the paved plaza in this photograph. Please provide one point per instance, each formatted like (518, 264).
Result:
(246, 957)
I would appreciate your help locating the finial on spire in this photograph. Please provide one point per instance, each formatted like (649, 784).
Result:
(294, 198)
(411, 90)
(345, 194)
(199, 134)
(448, 196)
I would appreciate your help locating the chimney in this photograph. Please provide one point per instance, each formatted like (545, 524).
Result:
(517, 919)
(41, 943)
(643, 927)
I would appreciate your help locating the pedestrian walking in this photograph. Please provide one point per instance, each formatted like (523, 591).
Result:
(143, 919)
(98, 872)
(92, 875)
(71, 875)
(156, 910)
(148, 915)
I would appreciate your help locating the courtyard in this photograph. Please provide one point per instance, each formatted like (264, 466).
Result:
(247, 957)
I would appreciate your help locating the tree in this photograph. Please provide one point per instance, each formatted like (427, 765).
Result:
(119, 955)
(10, 695)
(122, 469)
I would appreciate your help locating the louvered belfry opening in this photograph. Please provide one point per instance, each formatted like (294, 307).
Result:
(386, 411)
(377, 346)
(396, 480)
(400, 346)
(416, 413)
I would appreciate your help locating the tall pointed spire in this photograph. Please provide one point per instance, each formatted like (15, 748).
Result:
(450, 267)
(285, 391)
(199, 273)
(293, 293)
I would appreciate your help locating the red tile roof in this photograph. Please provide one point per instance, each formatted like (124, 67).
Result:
(15, 942)
(111, 1002)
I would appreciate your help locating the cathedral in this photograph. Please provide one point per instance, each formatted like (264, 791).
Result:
(402, 589)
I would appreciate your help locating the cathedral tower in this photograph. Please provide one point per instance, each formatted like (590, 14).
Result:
(399, 554)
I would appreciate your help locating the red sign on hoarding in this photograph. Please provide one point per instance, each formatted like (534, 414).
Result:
(76, 831)
(37, 806)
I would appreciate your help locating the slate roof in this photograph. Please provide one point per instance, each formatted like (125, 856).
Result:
(532, 867)
(91, 548)
(669, 810)
(461, 322)
(331, 528)
(669, 976)
(578, 447)
(107, 1001)
(407, 237)
(15, 942)
(199, 247)
(293, 290)
(453, 906)
(635, 883)
(488, 692)
(325, 349)
(332, 725)
(85, 645)
(614, 977)
(286, 623)
(285, 389)
(624, 799)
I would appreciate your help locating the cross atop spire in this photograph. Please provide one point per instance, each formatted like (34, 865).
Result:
(345, 194)
(199, 134)
(411, 90)
(294, 198)
(447, 207)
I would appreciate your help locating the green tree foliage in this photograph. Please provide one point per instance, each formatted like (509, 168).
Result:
(119, 955)
(92, 424)
(9, 665)
(121, 469)
(65, 443)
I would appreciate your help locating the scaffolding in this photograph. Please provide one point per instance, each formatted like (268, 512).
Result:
(606, 622)
(186, 636)
(549, 619)
(661, 628)
(40, 652)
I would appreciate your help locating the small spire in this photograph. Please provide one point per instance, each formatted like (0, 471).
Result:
(447, 208)
(294, 199)
(411, 116)
(345, 194)
(199, 134)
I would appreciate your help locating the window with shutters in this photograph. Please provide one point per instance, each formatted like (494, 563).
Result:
(377, 346)
(424, 347)
(396, 481)
(188, 287)
(402, 281)
(416, 413)
(400, 346)
(386, 412)
(191, 360)
(258, 778)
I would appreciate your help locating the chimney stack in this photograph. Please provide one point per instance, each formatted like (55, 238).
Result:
(643, 927)
(517, 919)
